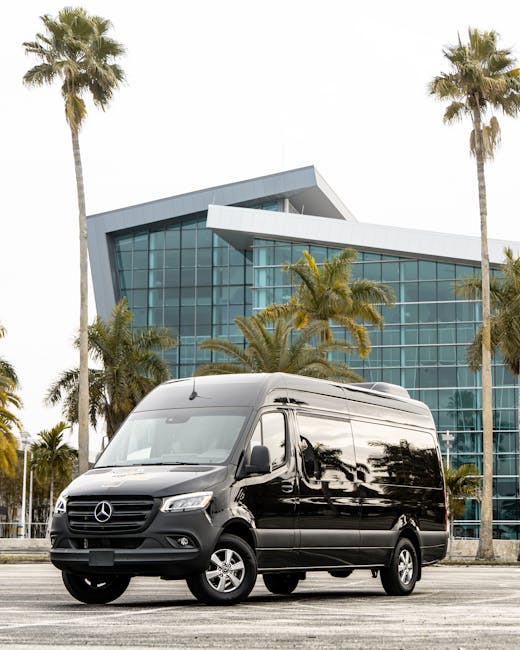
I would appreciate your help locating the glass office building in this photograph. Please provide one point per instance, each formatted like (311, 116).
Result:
(195, 262)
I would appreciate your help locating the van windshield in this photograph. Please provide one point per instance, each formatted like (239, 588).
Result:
(192, 436)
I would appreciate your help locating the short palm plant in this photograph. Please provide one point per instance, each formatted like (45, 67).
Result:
(269, 349)
(9, 400)
(52, 459)
(462, 484)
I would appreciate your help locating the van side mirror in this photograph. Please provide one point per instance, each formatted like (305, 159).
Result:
(260, 461)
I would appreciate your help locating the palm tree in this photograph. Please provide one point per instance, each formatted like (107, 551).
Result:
(505, 317)
(328, 293)
(462, 484)
(52, 460)
(8, 400)
(130, 367)
(76, 49)
(268, 351)
(483, 78)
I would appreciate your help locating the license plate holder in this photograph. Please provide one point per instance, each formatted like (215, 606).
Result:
(101, 558)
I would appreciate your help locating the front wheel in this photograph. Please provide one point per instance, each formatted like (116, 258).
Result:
(230, 576)
(400, 577)
(281, 583)
(95, 590)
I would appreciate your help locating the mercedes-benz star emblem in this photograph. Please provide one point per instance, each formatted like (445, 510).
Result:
(103, 512)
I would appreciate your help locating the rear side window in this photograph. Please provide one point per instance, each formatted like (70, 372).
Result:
(394, 455)
(326, 448)
(270, 431)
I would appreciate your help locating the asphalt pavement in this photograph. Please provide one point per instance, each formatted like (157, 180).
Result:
(452, 607)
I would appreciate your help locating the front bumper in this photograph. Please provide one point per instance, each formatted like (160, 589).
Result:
(157, 550)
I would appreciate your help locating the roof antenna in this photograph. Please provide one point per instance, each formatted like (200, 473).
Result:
(194, 393)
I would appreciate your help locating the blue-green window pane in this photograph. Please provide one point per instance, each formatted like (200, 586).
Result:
(204, 276)
(188, 237)
(409, 270)
(204, 238)
(139, 319)
(465, 333)
(124, 260)
(446, 333)
(282, 254)
(157, 240)
(140, 260)
(428, 377)
(221, 256)
(297, 252)
(204, 256)
(427, 270)
(466, 377)
(445, 291)
(187, 297)
(221, 275)
(428, 355)
(447, 355)
(447, 376)
(373, 272)
(156, 298)
(172, 277)
(171, 317)
(124, 243)
(172, 259)
(171, 297)
(428, 334)
(391, 375)
(156, 278)
(391, 357)
(236, 275)
(140, 280)
(427, 291)
(390, 314)
(466, 311)
(141, 242)
(391, 335)
(236, 295)
(156, 259)
(155, 317)
(125, 280)
(446, 312)
(410, 334)
(188, 276)
(427, 313)
(411, 356)
(445, 271)
(506, 464)
(410, 292)
(409, 313)
(463, 271)
(390, 272)
(172, 238)
(236, 257)
(188, 257)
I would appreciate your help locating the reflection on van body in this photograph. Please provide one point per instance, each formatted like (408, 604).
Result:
(272, 474)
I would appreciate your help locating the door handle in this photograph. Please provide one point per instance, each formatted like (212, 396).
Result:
(287, 487)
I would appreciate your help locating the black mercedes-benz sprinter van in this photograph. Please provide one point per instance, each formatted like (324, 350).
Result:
(220, 478)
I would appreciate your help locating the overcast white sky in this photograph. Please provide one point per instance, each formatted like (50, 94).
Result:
(223, 90)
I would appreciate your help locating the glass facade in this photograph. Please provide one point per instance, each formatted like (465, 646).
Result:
(182, 276)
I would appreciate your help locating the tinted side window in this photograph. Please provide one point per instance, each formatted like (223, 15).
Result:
(397, 456)
(326, 448)
(270, 431)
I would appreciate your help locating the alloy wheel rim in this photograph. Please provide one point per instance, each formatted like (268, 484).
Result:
(405, 567)
(226, 570)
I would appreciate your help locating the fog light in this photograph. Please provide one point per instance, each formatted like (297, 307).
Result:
(183, 541)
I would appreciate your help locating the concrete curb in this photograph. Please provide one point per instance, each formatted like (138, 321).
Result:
(24, 558)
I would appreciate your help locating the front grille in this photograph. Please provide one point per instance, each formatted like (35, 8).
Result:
(128, 514)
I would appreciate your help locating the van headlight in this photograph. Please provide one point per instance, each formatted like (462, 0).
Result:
(61, 504)
(193, 501)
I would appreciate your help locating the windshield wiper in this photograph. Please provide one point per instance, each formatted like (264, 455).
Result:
(173, 462)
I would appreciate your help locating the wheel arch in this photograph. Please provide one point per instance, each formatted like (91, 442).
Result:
(240, 528)
(413, 537)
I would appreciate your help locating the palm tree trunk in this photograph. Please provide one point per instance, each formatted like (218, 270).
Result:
(485, 546)
(83, 311)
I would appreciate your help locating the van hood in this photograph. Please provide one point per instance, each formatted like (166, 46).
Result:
(153, 480)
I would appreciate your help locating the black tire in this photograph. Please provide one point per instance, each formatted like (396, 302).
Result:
(230, 576)
(341, 573)
(95, 590)
(281, 583)
(399, 578)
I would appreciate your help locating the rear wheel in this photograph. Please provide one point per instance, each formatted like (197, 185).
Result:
(400, 577)
(281, 583)
(95, 590)
(230, 576)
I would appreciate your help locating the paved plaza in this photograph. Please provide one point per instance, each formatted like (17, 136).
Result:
(452, 607)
